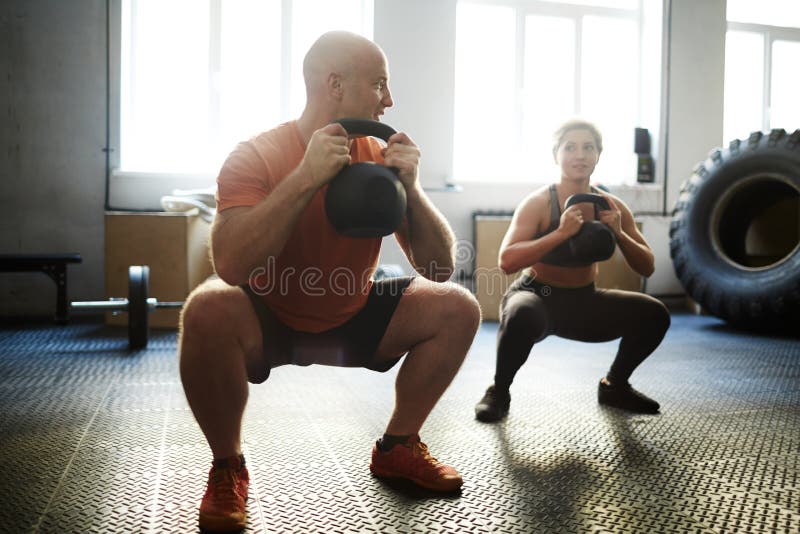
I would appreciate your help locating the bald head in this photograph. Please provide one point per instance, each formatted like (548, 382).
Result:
(336, 52)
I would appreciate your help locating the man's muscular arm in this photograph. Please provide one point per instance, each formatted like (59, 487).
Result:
(242, 239)
(425, 235)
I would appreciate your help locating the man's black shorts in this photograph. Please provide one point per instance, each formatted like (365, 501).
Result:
(352, 344)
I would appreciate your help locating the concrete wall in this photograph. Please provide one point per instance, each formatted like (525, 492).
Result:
(52, 93)
(52, 133)
(419, 38)
(694, 104)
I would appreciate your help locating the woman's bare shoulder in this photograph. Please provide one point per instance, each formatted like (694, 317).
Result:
(535, 200)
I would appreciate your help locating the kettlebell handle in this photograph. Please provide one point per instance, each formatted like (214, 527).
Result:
(599, 201)
(367, 127)
(594, 241)
(366, 199)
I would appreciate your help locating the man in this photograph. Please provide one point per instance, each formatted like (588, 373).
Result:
(280, 299)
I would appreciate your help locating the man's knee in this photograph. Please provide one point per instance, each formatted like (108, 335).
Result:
(214, 310)
(203, 313)
(460, 309)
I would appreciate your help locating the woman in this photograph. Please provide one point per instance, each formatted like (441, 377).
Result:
(553, 299)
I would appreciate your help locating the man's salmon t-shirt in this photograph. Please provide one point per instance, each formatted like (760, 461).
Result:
(321, 278)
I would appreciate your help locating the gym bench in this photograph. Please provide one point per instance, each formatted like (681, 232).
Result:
(53, 265)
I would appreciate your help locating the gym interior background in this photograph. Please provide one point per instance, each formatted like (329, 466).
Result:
(94, 438)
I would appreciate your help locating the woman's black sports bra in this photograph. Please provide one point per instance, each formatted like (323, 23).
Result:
(555, 210)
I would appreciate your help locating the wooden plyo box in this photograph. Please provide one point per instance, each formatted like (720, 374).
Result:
(491, 283)
(175, 247)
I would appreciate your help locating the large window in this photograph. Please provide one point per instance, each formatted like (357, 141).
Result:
(197, 76)
(762, 53)
(525, 66)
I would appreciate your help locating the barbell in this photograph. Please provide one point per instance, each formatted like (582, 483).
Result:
(138, 305)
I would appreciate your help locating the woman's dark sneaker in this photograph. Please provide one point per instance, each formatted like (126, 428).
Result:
(625, 397)
(493, 406)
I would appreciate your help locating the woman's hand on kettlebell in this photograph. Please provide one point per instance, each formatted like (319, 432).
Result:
(327, 152)
(571, 221)
(611, 217)
(403, 154)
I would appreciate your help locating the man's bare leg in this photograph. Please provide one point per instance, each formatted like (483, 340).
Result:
(436, 325)
(219, 331)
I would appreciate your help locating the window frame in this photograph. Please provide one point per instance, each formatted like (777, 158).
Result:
(574, 12)
(769, 34)
(115, 33)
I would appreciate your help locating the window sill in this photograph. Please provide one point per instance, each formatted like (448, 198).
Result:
(143, 190)
(640, 197)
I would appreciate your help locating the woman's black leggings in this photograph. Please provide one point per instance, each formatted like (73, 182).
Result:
(531, 311)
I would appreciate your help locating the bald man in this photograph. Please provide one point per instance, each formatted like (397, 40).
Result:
(293, 291)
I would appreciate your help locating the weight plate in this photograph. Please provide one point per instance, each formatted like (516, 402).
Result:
(138, 288)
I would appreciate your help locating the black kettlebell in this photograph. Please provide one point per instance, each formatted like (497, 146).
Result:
(366, 199)
(594, 242)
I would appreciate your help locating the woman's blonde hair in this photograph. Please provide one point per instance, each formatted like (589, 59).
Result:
(576, 124)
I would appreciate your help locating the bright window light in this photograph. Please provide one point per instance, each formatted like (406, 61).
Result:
(522, 68)
(744, 84)
(761, 58)
(549, 88)
(485, 93)
(784, 109)
(616, 4)
(312, 18)
(248, 80)
(198, 76)
(785, 13)
(610, 91)
(165, 91)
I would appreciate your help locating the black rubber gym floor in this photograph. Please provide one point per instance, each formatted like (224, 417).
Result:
(96, 439)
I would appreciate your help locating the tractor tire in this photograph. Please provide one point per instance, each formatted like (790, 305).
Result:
(735, 232)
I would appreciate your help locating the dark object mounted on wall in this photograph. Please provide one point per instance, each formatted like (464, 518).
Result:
(644, 160)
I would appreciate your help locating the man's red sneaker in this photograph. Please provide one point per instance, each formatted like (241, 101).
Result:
(412, 461)
(223, 506)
